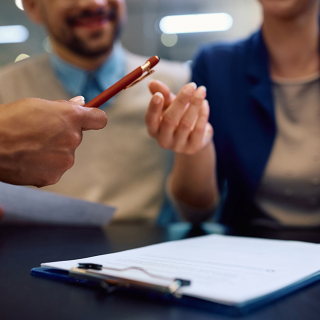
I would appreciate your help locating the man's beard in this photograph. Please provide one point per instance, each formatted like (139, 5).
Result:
(78, 46)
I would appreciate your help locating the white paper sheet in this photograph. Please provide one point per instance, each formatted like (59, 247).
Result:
(225, 269)
(26, 205)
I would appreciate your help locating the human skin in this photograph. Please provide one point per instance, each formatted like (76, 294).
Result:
(291, 32)
(181, 124)
(82, 32)
(38, 138)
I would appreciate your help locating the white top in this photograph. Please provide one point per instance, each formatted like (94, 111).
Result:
(289, 190)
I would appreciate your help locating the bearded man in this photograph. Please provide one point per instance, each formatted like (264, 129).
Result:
(119, 165)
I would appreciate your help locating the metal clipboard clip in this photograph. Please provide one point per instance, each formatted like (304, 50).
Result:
(111, 283)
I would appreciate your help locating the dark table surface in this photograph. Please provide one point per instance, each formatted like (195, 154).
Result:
(27, 297)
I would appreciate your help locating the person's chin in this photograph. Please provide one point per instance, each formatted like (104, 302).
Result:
(94, 49)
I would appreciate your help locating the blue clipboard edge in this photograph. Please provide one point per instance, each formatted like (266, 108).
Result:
(60, 275)
(231, 310)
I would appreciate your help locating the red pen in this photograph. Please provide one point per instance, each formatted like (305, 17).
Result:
(126, 82)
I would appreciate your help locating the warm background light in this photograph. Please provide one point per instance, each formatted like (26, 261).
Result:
(196, 23)
(21, 56)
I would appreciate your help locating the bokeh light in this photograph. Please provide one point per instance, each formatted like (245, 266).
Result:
(196, 23)
(13, 34)
(21, 56)
(169, 40)
(19, 4)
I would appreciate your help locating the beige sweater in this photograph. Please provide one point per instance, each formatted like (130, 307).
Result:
(289, 191)
(119, 165)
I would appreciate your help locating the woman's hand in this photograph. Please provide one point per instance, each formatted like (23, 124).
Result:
(179, 123)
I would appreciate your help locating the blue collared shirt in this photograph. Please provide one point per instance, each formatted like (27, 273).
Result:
(79, 82)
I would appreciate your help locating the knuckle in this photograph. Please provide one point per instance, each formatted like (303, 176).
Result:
(40, 184)
(54, 180)
(64, 162)
(182, 101)
(68, 161)
(167, 121)
(26, 100)
(75, 139)
(199, 130)
(47, 180)
(185, 125)
(178, 149)
(190, 151)
(43, 181)
(164, 144)
(62, 101)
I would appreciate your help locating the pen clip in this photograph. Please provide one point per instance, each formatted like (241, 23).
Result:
(149, 72)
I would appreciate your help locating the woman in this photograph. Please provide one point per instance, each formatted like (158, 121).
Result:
(264, 97)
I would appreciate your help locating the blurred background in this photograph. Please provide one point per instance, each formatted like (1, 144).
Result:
(142, 34)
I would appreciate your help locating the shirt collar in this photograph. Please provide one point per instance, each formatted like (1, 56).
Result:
(74, 79)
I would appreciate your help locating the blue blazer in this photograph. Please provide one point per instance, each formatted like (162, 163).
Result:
(242, 115)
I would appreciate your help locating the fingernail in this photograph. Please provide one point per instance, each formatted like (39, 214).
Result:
(157, 98)
(194, 85)
(78, 99)
(203, 88)
(190, 88)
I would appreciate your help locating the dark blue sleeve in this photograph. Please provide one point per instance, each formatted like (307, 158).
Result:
(202, 76)
(199, 75)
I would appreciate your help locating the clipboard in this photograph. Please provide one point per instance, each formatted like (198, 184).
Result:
(112, 285)
(80, 276)
(108, 272)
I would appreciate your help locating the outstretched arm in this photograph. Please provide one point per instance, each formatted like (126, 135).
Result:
(180, 123)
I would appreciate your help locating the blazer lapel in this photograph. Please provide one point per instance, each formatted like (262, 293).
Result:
(259, 78)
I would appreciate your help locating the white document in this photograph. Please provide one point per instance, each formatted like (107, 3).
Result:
(26, 205)
(224, 269)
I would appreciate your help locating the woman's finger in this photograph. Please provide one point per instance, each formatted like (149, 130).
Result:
(189, 119)
(201, 133)
(154, 113)
(158, 86)
(172, 115)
